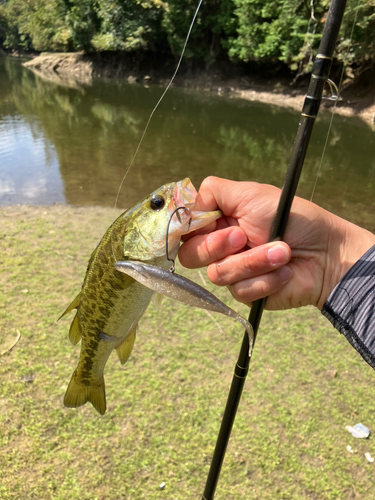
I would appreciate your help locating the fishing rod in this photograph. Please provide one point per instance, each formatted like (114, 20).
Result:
(319, 77)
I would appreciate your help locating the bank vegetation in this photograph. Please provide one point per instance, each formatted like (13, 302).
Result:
(282, 34)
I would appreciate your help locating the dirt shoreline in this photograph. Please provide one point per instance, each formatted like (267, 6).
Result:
(72, 68)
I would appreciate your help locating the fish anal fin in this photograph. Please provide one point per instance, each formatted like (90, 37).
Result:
(78, 393)
(125, 348)
(75, 333)
(72, 306)
(157, 300)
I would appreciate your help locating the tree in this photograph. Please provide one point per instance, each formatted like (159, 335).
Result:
(290, 31)
(286, 31)
(214, 23)
(36, 24)
(128, 25)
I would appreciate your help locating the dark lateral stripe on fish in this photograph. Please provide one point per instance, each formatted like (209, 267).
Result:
(109, 301)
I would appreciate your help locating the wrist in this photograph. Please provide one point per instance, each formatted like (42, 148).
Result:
(347, 244)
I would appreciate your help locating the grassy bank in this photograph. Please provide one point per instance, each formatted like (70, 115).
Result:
(164, 406)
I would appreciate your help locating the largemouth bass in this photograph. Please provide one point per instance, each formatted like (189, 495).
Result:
(110, 303)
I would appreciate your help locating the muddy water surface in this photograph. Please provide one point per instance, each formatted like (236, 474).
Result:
(72, 143)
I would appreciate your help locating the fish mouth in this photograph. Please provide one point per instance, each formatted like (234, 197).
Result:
(185, 193)
(184, 196)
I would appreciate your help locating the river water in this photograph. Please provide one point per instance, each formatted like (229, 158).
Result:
(72, 143)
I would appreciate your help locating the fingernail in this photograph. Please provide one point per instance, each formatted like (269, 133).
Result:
(237, 239)
(285, 274)
(277, 254)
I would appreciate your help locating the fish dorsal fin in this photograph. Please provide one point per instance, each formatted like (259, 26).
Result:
(75, 333)
(91, 258)
(72, 306)
(157, 300)
(124, 350)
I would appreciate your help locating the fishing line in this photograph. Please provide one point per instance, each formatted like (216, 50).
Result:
(155, 108)
(336, 100)
(160, 99)
(307, 46)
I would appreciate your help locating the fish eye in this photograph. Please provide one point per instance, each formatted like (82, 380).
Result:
(157, 202)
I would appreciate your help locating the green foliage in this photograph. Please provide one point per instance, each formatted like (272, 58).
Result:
(360, 49)
(4, 28)
(36, 24)
(272, 30)
(83, 22)
(214, 23)
(288, 31)
(127, 24)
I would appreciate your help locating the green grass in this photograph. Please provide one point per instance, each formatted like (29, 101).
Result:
(165, 405)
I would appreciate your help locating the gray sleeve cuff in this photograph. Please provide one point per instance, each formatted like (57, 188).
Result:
(351, 306)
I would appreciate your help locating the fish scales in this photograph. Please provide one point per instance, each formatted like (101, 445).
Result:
(110, 303)
(104, 297)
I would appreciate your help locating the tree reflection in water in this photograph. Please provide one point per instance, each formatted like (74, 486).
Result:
(89, 133)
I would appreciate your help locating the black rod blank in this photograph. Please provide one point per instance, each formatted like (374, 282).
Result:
(319, 76)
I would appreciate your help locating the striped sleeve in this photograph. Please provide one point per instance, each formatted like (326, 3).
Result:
(351, 306)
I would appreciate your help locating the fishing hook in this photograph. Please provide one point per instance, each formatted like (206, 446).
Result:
(172, 269)
(153, 112)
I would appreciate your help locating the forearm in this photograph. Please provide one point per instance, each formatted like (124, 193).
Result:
(351, 305)
(348, 243)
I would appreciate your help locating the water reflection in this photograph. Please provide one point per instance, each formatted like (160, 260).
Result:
(29, 164)
(73, 143)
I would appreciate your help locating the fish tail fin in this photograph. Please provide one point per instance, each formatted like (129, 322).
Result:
(78, 393)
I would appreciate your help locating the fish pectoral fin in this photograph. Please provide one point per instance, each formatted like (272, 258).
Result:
(124, 350)
(72, 306)
(75, 333)
(78, 393)
(157, 300)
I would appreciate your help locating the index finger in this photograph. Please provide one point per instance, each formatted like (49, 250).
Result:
(221, 223)
(212, 193)
(224, 194)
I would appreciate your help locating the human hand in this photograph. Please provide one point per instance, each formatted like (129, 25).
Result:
(318, 248)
